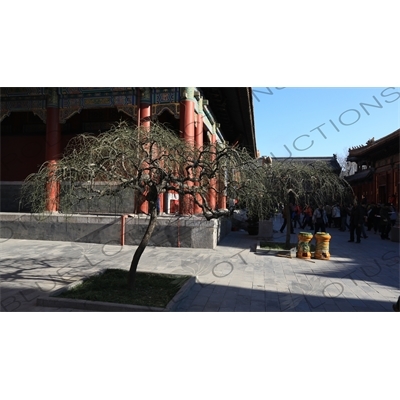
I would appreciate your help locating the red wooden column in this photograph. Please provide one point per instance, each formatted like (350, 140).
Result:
(145, 109)
(186, 204)
(221, 195)
(144, 116)
(53, 148)
(212, 195)
(199, 144)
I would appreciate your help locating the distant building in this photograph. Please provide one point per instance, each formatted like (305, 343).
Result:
(331, 161)
(377, 178)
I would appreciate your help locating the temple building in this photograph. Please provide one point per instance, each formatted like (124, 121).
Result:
(37, 123)
(377, 178)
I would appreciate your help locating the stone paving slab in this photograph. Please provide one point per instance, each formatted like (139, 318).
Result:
(358, 277)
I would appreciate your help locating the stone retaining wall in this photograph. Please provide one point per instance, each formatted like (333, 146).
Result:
(171, 231)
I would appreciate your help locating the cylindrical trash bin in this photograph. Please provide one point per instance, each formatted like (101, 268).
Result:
(322, 246)
(303, 245)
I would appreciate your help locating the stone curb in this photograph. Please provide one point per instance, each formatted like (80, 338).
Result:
(73, 284)
(92, 305)
(181, 293)
(88, 305)
(259, 250)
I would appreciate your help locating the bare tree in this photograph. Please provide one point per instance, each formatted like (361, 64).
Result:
(288, 181)
(348, 167)
(151, 161)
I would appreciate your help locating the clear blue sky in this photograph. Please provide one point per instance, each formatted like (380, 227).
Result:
(285, 116)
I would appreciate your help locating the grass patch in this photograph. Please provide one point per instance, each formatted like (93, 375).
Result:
(276, 246)
(154, 290)
(281, 246)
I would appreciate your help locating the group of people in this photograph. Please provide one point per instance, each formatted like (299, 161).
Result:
(305, 216)
(379, 217)
(357, 218)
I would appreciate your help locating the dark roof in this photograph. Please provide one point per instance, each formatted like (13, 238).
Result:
(363, 175)
(331, 161)
(376, 148)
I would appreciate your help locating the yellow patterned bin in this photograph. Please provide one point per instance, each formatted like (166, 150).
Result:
(303, 245)
(322, 246)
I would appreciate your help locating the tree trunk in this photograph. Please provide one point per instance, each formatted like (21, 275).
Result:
(288, 226)
(143, 244)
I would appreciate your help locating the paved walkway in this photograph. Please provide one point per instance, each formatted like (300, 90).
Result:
(358, 277)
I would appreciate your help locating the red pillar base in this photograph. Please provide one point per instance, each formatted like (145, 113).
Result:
(222, 202)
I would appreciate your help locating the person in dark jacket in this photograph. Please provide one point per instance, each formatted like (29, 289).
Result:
(319, 219)
(386, 226)
(285, 219)
(363, 233)
(377, 217)
(356, 219)
(344, 212)
(328, 210)
(370, 216)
